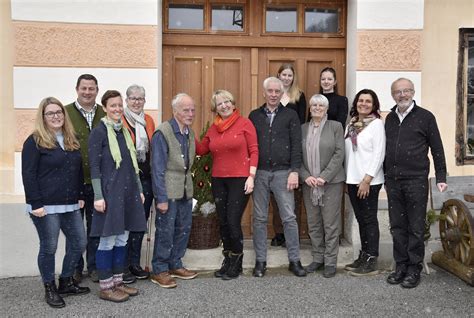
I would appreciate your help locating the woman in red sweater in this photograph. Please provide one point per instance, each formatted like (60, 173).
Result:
(232, 141)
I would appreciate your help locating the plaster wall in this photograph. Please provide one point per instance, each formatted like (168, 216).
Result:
(439, 69)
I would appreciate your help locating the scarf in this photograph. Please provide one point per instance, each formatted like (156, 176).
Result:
(356, 126)
(314, 159)
(112, 129)
(138, 120)
(224, 124)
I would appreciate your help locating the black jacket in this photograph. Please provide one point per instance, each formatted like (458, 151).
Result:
(406, 154)
(279, 145)
(51, 176)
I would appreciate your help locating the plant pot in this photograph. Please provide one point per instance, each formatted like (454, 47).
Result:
(204, 232)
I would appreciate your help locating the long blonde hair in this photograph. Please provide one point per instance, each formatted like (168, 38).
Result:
(46, 138)
(294, 92)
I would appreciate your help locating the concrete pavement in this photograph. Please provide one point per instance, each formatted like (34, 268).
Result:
(279, 294)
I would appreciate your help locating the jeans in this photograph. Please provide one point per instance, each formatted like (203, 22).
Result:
(92, 242)
(231, 200)
(172, 235)
(407, 201)
(135, 239)
(365, 211)
(276, 182)
(70, 223)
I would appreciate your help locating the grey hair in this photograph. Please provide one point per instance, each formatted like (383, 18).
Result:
(319, 99)
(177, 99)
(402, 79)
(135, 87)
(272, 79)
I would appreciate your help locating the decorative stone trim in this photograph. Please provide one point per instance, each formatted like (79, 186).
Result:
(85, 45)
(389, 50)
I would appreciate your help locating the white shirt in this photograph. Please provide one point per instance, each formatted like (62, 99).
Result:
(402, 116)
(369, 156)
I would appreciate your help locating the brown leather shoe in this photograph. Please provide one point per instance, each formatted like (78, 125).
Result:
(127, 289)
(114, 294)
(163, 279)
(183, 273)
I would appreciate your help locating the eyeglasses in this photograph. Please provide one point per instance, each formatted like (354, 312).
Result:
(402, 91)
(227, 102)
(136, 99)
(50, 115)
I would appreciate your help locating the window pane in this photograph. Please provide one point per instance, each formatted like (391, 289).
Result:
(470, 66)
(229, 18)
(321, 20)
(186, 16)
(281, 20)
(470, 127)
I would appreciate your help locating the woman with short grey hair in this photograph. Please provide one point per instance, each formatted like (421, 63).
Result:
(322, 174)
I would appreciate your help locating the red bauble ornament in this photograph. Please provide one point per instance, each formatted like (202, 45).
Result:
(201, 184)
(206, 168)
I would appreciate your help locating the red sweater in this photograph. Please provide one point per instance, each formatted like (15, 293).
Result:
(233, 151)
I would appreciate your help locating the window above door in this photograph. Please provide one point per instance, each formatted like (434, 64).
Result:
(305, 18)
(323, 18)
(205, 16)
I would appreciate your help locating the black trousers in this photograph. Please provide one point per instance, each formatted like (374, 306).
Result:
(231, 201)
(365, 211)
(407, 201)
(92, 242)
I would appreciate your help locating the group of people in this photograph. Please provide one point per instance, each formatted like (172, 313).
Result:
(108, 163)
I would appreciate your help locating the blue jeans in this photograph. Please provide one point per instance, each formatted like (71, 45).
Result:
(172, 235)
(70, 223)
(92, 242)
(276, 182)
(135, 239)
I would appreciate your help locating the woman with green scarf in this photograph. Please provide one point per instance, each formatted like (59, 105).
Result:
(118, 197)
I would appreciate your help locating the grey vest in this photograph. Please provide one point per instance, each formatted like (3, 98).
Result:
(178, 180)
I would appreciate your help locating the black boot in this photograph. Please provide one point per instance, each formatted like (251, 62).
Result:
(225, 264)
(67, 287)
(278, 240)
(51, 295)
(235, 268)
(357, 263)
(367, 267)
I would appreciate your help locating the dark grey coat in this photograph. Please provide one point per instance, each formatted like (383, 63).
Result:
(124, 208)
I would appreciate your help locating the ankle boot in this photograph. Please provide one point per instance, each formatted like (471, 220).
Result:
(52, 297)
(235, 268)
(225, 264)
(368, 267)
(68, 286)
(357, 263)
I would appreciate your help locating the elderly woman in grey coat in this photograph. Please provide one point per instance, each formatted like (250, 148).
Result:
(323, 175)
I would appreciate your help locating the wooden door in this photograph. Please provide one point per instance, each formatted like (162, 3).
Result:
(199, 71)
(199, 61)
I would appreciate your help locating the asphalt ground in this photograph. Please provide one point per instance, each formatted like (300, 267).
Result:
(278, 294)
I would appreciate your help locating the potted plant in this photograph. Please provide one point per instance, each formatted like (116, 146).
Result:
(205, 227)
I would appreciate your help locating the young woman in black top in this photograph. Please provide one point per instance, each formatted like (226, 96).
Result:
(338, 105)
(294, 98)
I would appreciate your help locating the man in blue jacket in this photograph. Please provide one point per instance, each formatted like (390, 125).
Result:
(410, 131)
(279, 145)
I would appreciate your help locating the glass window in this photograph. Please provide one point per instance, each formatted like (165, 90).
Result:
(470, 98)
(281, 20)
(186, 16)
(321, 20)
(465, 99)
(227, 18)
